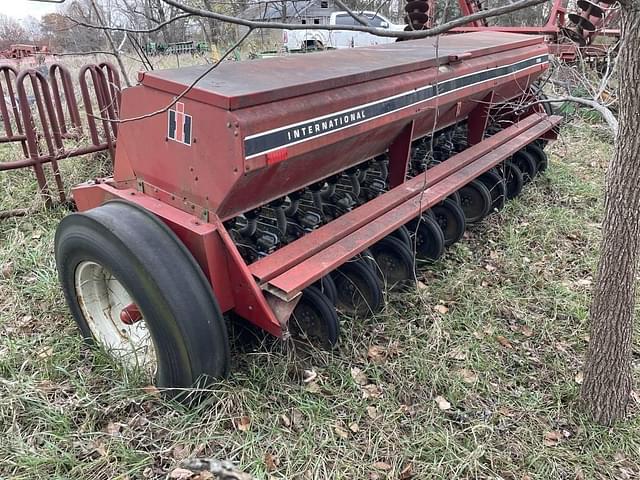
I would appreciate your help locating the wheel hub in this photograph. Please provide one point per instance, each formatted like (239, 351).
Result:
(113, 317)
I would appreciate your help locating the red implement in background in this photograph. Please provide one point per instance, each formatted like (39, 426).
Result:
(570, 35)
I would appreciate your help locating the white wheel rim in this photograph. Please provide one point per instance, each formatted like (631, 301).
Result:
(101, 298)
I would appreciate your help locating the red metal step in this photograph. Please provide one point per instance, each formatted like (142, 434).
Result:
(365, 225)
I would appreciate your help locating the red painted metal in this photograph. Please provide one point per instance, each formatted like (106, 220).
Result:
(478, 118)
(399, 154)
(305, 273)
(195, 186)
(231, 102)
(565, 34)
(285, 258)
(42, 114)
(130, 314)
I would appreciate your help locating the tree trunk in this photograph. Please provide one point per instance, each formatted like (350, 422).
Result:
(607, 381)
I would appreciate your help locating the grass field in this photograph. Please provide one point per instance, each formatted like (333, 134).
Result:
(473, 374)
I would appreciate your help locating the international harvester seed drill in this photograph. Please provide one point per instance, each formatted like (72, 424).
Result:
(283, 190)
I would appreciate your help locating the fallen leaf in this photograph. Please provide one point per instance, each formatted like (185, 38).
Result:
(372, 412)
(204, 475)
(467, 375)
(377, 353)
(341, 432)
(372, 390)
(180, 474)
(309, 376)
(410, 410)
(312, 387)
(490, 268)
(354, 427)
(113, 428)
(441, 309)
(7, 270)
(584, 282)
(526, 331)
(384, 466)
(270, 462)
(442, 402)
(506, 411)
(285, 420)
(579, 378)
(552, 438)
(243, 423)
(180, 452)
(359, 376)
(504, 341)
(421, 285)
(45, 352)
(296, 417)
(406, 472)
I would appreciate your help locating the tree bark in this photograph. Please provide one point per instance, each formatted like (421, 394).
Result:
(607, 384)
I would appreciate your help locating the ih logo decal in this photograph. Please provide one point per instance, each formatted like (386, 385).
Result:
(179, 125)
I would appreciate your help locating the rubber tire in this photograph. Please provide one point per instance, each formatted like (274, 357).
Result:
(430, 242)
(527, 165)
(327, 288)
(402, 257)
(513, 179)
(313, 298)
(175, 298)
(450, 219)
(497, 187)
(359, 273)
(542, 161)
(481, 203)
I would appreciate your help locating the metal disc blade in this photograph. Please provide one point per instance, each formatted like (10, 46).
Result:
(581, 22)
(590, 7)
(574, 36)
(416, 6)
(416, 18)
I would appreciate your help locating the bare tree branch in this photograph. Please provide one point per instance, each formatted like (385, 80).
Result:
(381, 32)
(111, 43)
(160, 26)
(606, 113)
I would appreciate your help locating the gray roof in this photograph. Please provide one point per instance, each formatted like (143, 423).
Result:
(273, 10)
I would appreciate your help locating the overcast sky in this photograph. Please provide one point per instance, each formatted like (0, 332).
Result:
(24, 8)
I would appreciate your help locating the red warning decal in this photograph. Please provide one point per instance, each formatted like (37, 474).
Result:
(179, 129)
